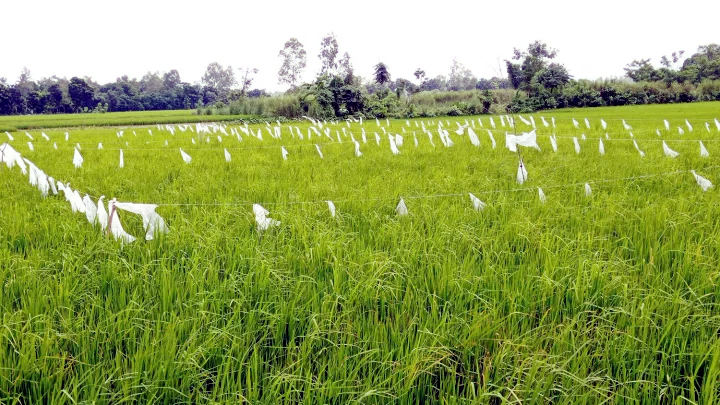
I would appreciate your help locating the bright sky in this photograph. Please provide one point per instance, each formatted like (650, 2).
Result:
(105, 40)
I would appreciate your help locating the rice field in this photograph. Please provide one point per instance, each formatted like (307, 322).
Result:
(41, 121)
(611, 297)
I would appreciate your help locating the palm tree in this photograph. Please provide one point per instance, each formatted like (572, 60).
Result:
(382, 75)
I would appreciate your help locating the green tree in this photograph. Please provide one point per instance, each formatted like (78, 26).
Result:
(152, 83)
(641, 71)
(554, 76)
(294, 60)
(219, 79)
(345, 69)
(328, 53)
(532, 62)
(81, 94)
(382, 76)
(171, 80)
(461, 78)
(25, 83)
(705, 64)
(246, 78)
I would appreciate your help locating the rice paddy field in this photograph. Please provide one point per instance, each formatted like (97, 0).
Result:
(611, 297)
(41, 121)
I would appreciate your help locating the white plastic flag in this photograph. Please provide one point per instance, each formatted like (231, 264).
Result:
(11, 157)
(553, 142)
(185, 156)
(588, 190)
(318, 151)
(601, 147)
(575, 123)
(100, 146)
(33, 174)
(401, 208)
(53, 187)
(90, 209)
(689, 127)
(393, 147)
(357, 149)
(704, 183)
(115, 226)
(77, 159)
(30, 146)
(642, 154)
(528, 139)
(544, 122)
(228, 158)
(10, 137)
(416, 140)
(541, 195)
(477, 204)
(29, 136)
(473, 138)
(626, 126)
(399, 140)
(377, 138)
(522, 173)
(657, 132)
(703, 151)
(284, 153)
(43, 183)
(331, 207)
(577, 145)
(667, 125)
(261, 220)
(680, 131)
(44, 135)
(492, 139)
(122, 159)
(603, 123)
(492, 122)
(587, 123)
(669, 152)
(553, 121)
(102, 215)
(152, 222)
(446, 136)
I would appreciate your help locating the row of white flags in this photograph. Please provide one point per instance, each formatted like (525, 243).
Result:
(512, 142)
(322, 125)
(109, 221)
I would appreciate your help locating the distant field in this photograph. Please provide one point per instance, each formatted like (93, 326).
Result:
(18, 122)
(611, 297)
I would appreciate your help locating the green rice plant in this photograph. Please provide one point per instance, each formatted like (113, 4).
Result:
(607, 298)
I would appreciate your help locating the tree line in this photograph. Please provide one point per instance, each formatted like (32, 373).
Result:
(536, 80)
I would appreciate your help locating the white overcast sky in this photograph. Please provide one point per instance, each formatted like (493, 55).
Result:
(108, 39)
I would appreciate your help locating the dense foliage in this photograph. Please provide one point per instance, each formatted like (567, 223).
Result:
(336, 91)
